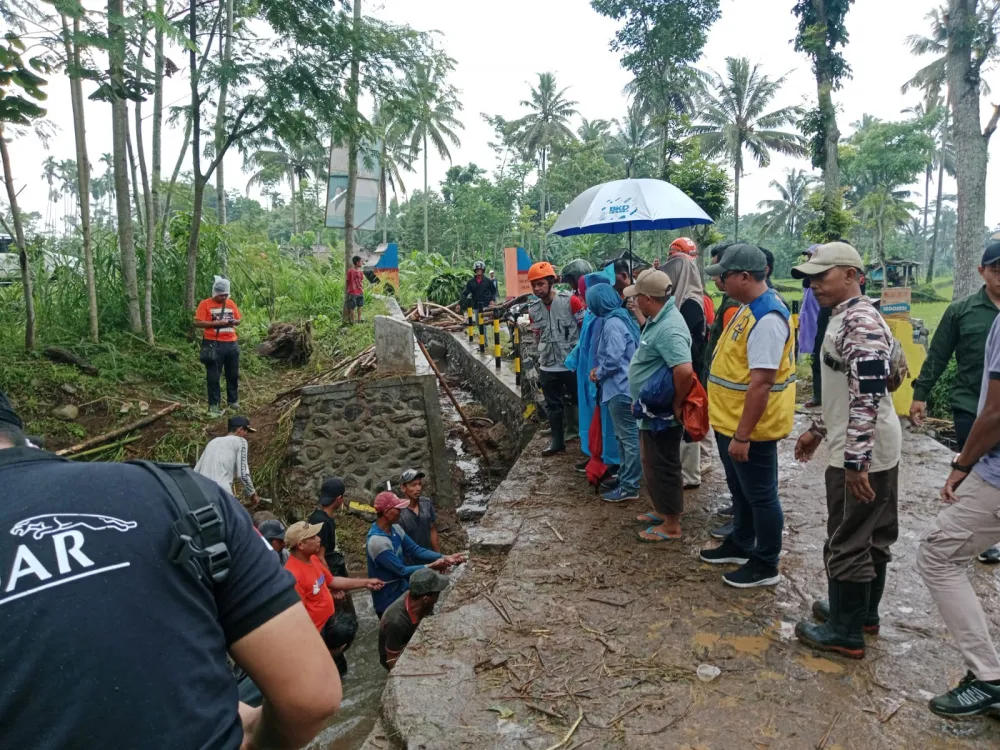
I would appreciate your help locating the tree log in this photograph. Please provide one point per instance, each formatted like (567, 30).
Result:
(138, 424)
(66, 357)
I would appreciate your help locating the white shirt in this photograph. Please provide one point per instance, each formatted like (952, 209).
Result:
(224, 459)
(767, 342)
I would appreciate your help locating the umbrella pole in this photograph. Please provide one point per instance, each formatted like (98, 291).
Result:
(631, 262)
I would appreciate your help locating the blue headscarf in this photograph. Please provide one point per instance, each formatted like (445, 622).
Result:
(604, 302)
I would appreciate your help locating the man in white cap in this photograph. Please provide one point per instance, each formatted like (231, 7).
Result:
(865, 438)
(218, 317)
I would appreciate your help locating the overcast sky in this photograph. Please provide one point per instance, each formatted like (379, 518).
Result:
(500, 48)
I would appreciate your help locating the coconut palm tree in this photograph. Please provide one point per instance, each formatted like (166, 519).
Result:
(790, 211)
(882, 211)
(395, 157)
(50, 170)
(734, 118)
(293, 161)
(545, 126)
(632, 146)
(594, 131)
(434, 104)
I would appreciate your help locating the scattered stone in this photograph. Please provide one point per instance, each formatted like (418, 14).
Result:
(125, 408)
(67, 413)
(69, 389)
(394, 345)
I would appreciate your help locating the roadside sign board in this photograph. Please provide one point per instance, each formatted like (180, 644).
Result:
(896, 302)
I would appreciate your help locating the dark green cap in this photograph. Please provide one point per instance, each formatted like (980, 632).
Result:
(741, 257)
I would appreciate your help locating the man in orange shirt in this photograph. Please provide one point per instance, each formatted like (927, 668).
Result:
(217, 317)
(316, 585)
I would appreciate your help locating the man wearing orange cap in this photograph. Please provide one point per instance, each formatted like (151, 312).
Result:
(386, 547)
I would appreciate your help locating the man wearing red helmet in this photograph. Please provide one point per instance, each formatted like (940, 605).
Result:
(684, 246)
(556, 317)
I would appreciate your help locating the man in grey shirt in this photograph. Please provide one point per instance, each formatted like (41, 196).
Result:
(970, 523)
(419, 518)
(226, 458)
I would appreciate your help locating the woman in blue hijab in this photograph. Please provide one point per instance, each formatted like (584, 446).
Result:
(582, 360)
(616, 342)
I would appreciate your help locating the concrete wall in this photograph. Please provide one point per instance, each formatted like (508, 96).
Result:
(495, 390)
(368, 432)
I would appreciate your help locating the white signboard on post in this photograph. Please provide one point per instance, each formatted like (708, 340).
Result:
(366, 197)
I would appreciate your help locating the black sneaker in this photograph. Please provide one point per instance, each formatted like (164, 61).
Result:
(972, 697)
(609, 484)
(722, 532)
(990, 556)
(613, 470)
(726, 553)
(750, 576)
(727, 511)
(582, 466)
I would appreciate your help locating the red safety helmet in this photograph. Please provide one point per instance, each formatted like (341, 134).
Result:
(685, 246)
(542, 270)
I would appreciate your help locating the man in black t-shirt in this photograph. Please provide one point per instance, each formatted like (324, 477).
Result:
(107, 643)
(419, 518)
(399, 622)
(331, 499)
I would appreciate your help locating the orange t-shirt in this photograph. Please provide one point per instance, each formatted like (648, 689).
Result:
(728, 315)
(311, 581)
(209, 310)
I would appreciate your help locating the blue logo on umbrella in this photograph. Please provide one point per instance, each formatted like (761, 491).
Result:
(616, 209)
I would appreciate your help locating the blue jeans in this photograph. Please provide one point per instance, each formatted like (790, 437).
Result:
(627, 433)
(757, 517)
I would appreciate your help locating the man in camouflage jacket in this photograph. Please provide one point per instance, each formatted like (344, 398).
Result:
(865, 438)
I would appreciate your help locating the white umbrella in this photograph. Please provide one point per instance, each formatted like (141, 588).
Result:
(625, 205)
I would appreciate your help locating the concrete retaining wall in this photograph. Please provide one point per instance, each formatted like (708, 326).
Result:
(494, 389)
(368, 432)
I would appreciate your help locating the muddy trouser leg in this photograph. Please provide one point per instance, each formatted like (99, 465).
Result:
(553, 386)
(757, 516)
(859, 534)
(661, 468)
(229, 356)
(960, 532)
(212, 375)
(691, 463)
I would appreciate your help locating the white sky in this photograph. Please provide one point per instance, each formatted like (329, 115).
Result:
(500, 48)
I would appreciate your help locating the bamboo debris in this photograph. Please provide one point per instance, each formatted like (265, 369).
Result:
(119, 432)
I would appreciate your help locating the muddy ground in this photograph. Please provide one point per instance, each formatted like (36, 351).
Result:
(581, 632)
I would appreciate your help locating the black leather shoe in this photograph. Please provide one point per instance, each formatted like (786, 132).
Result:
(843, 632)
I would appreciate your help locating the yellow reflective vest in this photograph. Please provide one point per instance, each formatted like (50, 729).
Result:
(730, 375)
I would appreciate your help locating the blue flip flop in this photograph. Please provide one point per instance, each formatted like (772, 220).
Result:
(663, 537)
(648, 518)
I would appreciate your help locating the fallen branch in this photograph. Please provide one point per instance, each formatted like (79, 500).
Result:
(569, 734)
(66, 357)
(138, 424)
(454, 402)
(433, 306)
(543, 710)
(608, 601)
(622, 714)
(555, 531)
(103, 448)
(498, 608)
(822, 743)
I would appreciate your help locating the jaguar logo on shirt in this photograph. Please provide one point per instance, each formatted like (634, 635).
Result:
(57, 555)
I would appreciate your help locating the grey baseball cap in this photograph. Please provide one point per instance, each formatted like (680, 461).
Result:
(272, 529)
(427, 581)
(410, 475)
(741, 257)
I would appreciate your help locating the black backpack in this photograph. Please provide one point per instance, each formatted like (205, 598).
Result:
(199, 543)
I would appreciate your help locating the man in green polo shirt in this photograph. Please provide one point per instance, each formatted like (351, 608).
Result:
(962, 333)
(665, 342)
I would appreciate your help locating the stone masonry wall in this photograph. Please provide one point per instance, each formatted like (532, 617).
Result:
(368, 432)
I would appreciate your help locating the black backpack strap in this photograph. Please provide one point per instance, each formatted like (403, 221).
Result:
(199, 543)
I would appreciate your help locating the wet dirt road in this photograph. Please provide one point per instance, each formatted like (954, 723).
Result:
(581, 620)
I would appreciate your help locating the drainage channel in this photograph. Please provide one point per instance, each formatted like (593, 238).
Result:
(473, 482)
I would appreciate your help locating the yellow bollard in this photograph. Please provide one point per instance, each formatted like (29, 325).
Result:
(496, 341)
(482, 333)
(471, 327)
(516, 338)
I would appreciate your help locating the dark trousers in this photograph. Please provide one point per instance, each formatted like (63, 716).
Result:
(559, 390)
(227, 358)
(661, 468)
(963, 426)
(822, 321)
(859, 534)
(757, 516)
